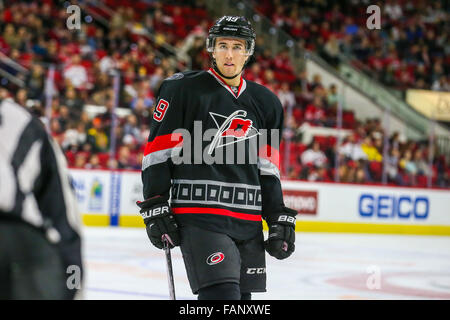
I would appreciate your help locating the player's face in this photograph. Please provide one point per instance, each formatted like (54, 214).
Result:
(230, 55)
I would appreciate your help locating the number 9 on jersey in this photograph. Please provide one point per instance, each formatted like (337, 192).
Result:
(160, 110)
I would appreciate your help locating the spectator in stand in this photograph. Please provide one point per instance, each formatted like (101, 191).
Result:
(269, 79)
(73, 102)
(318, 174)
(442, 84)
(156, 78)
(286, 96)
(35, 81)
(10, 38)
(362, 174)
(76, 74)
(370, 150)
(315, 112)
(443, 172)
(80, 161)
(64, 117)
(101, 89)
(21, 97)
(131, 128)
(75, 136)
(422, 166)
(97, 137)
(313, 156)
(393, 10)
(347, 172)
(332, 96)
(253, 73)
(351, 149)
(392, 163)
(377, 137)
(93, 163)
(123, 160)
(331, 50)
(137, 163)
(290, 127)
(316, 82)
(112, 164)
(56, 130)
(144, 94)
(409, 167)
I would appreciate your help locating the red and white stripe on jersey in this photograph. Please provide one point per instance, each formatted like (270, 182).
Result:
(162, 148)
(241, 88)
(269, 160)
(217, 211)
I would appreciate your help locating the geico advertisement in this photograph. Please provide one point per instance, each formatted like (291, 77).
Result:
(403, 205)
(388, 206)
(368, 204)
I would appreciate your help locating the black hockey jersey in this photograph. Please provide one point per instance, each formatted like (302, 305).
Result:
(215, 150)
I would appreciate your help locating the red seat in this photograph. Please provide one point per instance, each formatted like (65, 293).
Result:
(298, 114)
(322, 140)
(348, 119)
(301, 147)
(331, 141)
(103, 159)
(422, 181)
(376, 168)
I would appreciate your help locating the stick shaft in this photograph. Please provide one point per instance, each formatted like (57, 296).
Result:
(169, 270)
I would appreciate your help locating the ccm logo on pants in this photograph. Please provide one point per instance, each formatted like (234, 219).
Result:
(256, 270)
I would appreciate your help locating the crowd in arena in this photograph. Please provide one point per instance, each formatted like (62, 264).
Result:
(85, 61)
(410, 50)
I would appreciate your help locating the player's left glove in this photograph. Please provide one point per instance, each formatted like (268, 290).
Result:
(281, 241)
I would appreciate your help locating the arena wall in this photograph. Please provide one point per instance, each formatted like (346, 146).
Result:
(108, 198)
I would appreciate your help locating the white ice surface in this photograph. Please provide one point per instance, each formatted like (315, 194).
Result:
(121, 263)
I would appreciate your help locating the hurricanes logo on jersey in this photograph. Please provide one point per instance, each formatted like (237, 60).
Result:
(238, 128)
(235, 125)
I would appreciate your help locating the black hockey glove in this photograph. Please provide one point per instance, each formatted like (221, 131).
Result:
(281, 241)
(159, 221)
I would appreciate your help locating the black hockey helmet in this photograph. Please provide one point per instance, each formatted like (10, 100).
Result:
(232, 27)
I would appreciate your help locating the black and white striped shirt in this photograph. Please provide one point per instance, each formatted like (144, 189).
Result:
(34, 181)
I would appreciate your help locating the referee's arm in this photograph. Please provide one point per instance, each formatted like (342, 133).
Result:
(57, 204)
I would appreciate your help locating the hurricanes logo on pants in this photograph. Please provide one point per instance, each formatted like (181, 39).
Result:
(215, 258)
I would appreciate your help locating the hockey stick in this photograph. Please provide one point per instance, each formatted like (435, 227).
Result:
(169, 267)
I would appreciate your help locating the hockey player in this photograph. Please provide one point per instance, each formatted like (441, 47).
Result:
(216, 209)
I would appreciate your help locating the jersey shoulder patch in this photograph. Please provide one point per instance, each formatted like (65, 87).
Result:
(175, 76)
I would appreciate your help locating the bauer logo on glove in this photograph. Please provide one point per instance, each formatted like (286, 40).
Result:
(155, 212)
(159, 221)
(281, 240)
(288, 219)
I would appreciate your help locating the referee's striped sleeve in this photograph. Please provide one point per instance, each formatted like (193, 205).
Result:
(34, 182)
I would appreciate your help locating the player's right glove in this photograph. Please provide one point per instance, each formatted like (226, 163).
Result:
(281, 241)
(159, 221)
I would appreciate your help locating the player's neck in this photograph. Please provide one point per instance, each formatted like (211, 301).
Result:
(235, 82)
